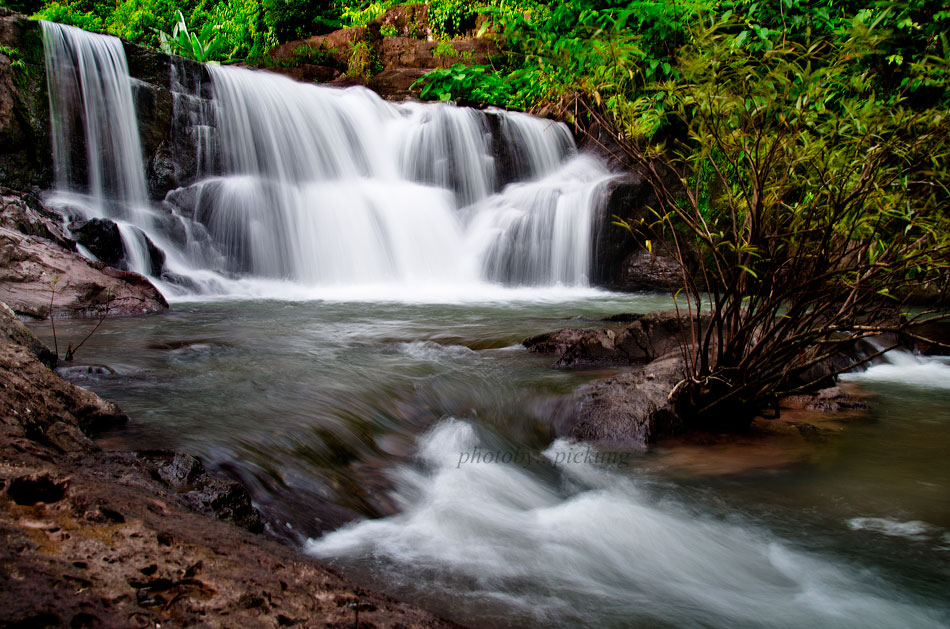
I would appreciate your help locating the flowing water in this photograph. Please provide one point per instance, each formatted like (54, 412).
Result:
(388, 412)
(351, 280)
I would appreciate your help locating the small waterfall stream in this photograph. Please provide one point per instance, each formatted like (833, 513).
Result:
(321, 187)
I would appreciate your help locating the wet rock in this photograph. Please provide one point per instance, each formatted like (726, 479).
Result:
(934, 338)
(556, 342)
(29, 265)
(396, 83)
(25, 158)
(828, 400)
(650, 336)
(25, 213)
(33, 399)
(310, 73)
(102, 238)
(13, 331)
(646, 271)
(205, 493)
(630, 410)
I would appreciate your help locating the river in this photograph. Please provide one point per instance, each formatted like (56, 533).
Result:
(379, 410)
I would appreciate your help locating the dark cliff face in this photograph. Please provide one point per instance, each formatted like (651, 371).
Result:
(167, 92)
(25, 160)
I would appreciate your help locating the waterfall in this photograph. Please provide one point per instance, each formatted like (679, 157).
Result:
(90, 97)
(313, 186)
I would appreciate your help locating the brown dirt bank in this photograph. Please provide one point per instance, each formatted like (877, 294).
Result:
(111, 539)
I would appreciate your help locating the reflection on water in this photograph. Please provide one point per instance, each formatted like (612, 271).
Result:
(336, 410)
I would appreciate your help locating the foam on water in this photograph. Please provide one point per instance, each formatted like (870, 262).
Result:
(903, 367)
(563, 544)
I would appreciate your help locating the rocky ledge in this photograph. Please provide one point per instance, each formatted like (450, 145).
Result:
(42, 274)
(122, 539)
(632, 409)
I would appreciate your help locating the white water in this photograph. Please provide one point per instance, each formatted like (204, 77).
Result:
(90, 96)
(577, 545)
(319, 191)
(903, 367)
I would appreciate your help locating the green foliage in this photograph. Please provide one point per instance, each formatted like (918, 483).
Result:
(474, 84)
(360, 14)
(362, 61)
(816, 201)
(78, 13)
(17, 64)
(451, 17)
(200, 47)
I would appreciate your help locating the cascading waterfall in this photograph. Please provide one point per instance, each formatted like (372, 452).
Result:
(90, 96)
(325, 187)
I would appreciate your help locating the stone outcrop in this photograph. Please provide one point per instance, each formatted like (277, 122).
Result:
(388, 55)
(31, 266)
(622, 260)
(639, 406)
(25, 213)
(39, 263)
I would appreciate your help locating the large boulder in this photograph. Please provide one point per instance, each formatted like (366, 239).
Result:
(627, 411)
(102, 238)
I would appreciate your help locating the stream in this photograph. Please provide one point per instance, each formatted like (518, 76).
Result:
(378, 410)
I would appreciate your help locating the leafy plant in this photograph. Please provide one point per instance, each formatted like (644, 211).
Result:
(451, 17)
(362, 61)
(200, 47)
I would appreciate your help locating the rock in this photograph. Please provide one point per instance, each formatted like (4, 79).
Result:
(220, 498)
(13, 330)
(35, 488)
(309, 73)
(33, 399)
(656, 271)
(396, 83)
(393, 63)
(102, 238)
(25, 213)
(28, 265)
(25, 156)
(407, 20)
(556, 342)
(829, 400)
(648, 337)
(935, 337)
(628, 199)
(629, 411)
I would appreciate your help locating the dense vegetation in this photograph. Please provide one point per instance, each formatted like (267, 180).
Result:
(798, 149)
